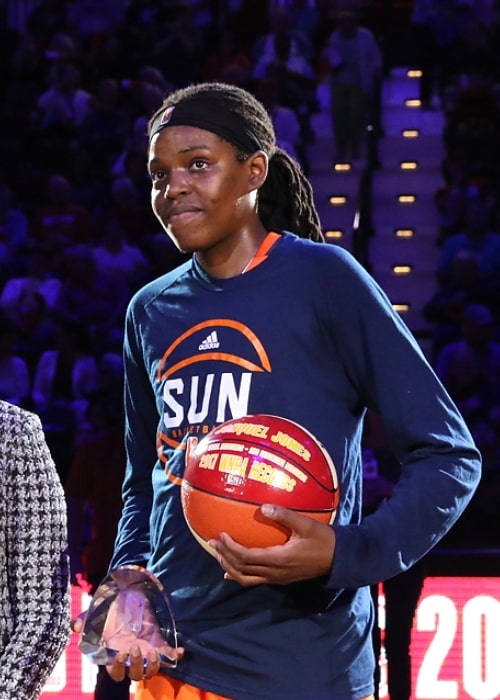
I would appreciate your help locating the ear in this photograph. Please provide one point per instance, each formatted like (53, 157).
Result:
(258, 164)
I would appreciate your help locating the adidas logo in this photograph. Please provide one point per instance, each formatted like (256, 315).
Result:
(210, 343)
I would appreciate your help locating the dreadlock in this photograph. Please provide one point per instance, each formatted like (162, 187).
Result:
(286, 199)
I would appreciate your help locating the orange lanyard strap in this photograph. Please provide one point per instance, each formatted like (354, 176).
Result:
(263, 251)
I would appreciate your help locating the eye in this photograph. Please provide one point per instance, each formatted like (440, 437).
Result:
(199, 164)
(157, 175)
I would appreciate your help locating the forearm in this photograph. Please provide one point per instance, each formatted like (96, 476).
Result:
(38, 568)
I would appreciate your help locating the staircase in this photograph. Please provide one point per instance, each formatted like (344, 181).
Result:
(402, 251)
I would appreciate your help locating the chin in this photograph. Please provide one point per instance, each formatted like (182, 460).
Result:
(181, 245)
(186, 243)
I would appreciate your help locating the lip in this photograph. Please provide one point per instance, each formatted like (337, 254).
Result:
(180, 213)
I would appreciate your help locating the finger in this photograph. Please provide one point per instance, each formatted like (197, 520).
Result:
(249, 567)
(77, 624)
(152, 665)
(245, 580)
(231, 553)
(137, 669)
(118, 670)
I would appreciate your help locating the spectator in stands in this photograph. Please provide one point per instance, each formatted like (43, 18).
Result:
(177, 45)
(305, 18)
(36, 331)
(470, 370)
(57, 114)
(39, 279)
(24, 74)
(246, 18)
(46, 18)
(128, 204)
(15, 384)
(65, 377)
(355, 62)
(472, 118)
(142, 89)
(91, 19)
(476, 52)
(278, 57)
(285, 121)
(87, 184)
(460, 174)
(128, 161)
(14, 232)
(59, 222)
(281, 43)
(477, 236)
(116, 258)
(64, 105)
(162, 254)
(466, 285)
(94, 298)
(106, 125)
(227, 54)
(61, 48)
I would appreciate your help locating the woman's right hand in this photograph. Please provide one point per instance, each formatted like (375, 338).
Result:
(137, 666)
(134, 663)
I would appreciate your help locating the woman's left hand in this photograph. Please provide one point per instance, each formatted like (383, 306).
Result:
(308, 552)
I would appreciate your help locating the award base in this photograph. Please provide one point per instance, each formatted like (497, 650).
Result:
(130, 606)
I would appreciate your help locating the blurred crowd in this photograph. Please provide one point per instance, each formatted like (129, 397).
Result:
(81, 78)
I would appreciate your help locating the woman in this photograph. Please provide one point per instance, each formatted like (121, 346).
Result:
(34, 572)
(297, 328)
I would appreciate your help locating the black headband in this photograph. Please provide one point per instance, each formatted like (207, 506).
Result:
(211, 116)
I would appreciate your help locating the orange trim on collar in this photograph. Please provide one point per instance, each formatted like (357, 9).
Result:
(263, 251)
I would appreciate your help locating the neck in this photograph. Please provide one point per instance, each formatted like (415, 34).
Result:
(229, 260)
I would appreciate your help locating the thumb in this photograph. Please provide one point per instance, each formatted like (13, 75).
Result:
(285, 516)
(77, 623)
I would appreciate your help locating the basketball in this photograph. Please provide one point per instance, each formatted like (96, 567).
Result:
(246, 462)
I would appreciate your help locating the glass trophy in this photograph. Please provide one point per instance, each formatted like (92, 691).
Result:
(130, 606)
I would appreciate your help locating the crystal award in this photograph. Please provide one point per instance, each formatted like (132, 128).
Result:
(130, 606)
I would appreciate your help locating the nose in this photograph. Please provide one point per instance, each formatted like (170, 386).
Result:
(177, 183)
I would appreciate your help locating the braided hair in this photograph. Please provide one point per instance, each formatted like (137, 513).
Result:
(285, 199)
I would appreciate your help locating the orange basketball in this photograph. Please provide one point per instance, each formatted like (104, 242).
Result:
(246, 462)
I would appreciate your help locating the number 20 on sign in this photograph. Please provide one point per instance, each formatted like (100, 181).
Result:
(455, 646)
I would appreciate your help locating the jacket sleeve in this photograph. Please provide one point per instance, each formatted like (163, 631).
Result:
(37, 561)
(133, 545)
(440, 464)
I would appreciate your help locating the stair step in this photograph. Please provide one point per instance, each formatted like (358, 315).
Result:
(419, 252)
(415, 288)
(425, 230)
(398, 114)
(423, 180)
(388, 217)
(426, 150)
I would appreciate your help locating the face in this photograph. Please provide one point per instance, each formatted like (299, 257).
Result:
(203, 196)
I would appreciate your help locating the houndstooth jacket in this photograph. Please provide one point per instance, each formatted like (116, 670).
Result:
(34, 572)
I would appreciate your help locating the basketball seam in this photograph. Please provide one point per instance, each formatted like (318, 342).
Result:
(228, 496)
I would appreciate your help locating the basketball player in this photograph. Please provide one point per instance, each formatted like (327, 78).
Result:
(265, 317)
